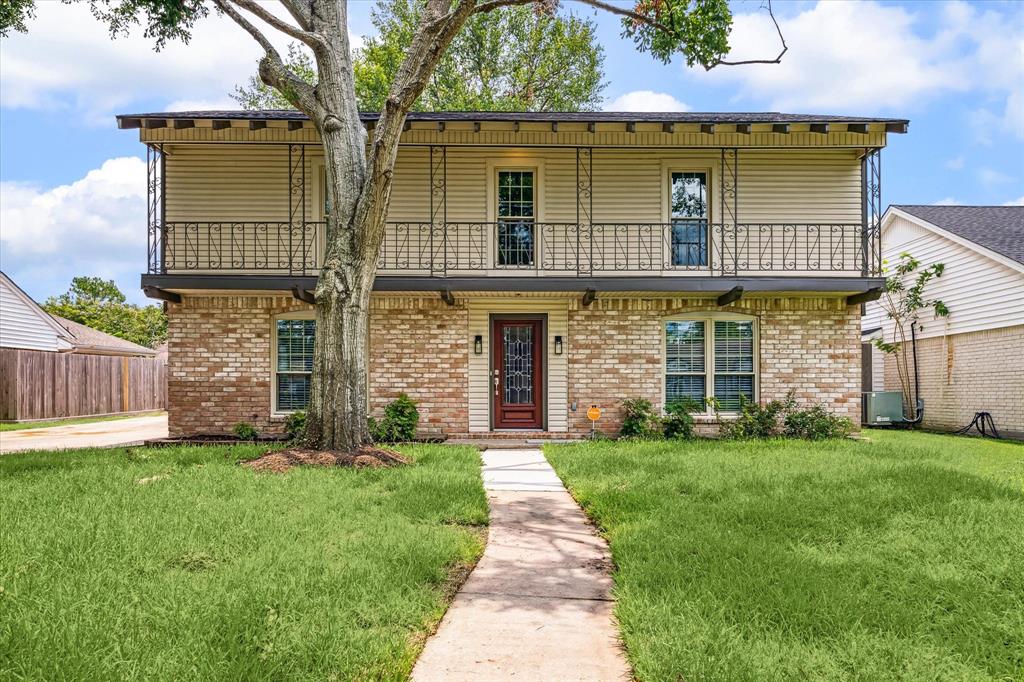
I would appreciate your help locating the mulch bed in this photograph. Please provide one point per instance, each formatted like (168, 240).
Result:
(366, 457)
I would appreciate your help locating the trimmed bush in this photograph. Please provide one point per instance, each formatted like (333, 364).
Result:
(816, 423)
(399, 423)
(678, 420)
(639, 419)
(295, 424)
(755, 420)
(245, 431)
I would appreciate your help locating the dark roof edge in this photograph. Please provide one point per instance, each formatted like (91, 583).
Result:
(384, 283)
(128, 120)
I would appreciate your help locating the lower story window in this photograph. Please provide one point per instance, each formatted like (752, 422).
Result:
(294, 363)
(708, 357)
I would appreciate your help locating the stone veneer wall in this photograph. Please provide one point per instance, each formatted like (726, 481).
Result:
(809, 345)
(219, 364)
(966, 373)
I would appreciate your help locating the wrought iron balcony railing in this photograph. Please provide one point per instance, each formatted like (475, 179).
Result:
(525, 248)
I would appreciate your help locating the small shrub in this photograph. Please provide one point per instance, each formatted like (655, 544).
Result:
(755, 420)
(295, 424)
(399, 423)
(245, 431)
(816, 423)
(639, 419)
(678, 421)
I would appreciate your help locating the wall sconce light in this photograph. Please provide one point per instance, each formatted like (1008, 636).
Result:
(558, 345)
(478, 344)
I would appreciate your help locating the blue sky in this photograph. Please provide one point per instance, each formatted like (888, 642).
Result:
(72, 185)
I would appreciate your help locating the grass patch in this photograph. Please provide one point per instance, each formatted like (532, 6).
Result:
(899, 558)
(19, 426)
(176, 563)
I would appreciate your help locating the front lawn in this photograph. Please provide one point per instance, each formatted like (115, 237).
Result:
(899, 558)
(178, 564)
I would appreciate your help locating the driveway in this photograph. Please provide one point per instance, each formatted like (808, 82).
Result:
(97, 434)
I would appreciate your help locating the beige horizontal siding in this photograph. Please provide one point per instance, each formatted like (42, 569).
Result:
(250, 182)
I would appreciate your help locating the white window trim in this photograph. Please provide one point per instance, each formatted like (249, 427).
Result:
(514, 163)
(297, 315)
(709, 319)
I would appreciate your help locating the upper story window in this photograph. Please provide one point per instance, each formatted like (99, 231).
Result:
(689, 216)
(516, 215)
(293, 364)
(710, 356)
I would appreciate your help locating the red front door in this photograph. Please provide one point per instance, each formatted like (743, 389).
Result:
(517, 372)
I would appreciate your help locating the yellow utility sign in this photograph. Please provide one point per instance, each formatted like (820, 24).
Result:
(594, 413)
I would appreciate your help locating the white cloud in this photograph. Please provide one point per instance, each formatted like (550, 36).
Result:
(868, 57)
(68, 61)
(955, 163)
(1019, 201)
(93, 226)
(989, 177)
(948, 201)
(645, 100)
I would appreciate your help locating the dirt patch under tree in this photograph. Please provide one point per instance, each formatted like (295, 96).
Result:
(367, 457)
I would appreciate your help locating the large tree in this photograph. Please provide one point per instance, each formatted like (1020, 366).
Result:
(511, 59)
(359, 170)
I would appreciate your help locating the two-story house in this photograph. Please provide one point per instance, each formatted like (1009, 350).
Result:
(534, 265)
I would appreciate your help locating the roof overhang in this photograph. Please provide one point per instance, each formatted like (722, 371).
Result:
(682, 285)
(741, 122)
(894, 211)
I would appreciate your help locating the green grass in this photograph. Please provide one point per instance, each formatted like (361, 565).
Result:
(19, 426)
(901, 558)
(178, 564)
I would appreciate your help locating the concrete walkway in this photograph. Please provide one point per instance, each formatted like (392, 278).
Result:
(93, 435)
(538, 605)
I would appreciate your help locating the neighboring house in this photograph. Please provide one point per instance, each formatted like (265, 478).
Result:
(973, 360)
(534, 264)
(50, 366)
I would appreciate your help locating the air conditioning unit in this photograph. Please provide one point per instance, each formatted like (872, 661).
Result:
(880, 408)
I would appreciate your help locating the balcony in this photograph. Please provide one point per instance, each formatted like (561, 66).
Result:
(527, 249)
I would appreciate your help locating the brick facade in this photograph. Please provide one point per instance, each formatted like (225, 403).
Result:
(966, 373)
(220, 356)
(810, 345)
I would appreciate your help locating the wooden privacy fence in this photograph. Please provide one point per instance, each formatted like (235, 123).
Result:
(42, 385)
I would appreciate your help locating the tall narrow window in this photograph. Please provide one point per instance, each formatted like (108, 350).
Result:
(689, 215)
(708, 357)
(685, 368)
(294, 363)
(516, 216)
(734, 363)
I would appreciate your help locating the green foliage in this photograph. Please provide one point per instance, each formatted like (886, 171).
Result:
(678, 420)
(399, 423)
(755, 420)
(699, 29)
(14, 14)
(639, 419)
(816, 423)
(245, 431)
(98, 303)
(295, 424)
(509, 59)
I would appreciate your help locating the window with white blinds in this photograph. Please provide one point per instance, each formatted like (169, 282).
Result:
(293, 364)
(709, 357)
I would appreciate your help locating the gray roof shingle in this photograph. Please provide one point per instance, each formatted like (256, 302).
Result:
(86, 339)
(997, 228)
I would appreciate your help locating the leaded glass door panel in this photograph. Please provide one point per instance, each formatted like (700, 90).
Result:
(517, 374)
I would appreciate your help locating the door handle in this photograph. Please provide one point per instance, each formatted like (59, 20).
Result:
(495, 382)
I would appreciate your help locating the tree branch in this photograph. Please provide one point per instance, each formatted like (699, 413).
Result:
(314, 40)
(777, 60)
(623, 12)
(272, 68)
(301, 11)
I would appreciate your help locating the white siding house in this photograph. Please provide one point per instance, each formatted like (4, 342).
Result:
(972, 360)
(23, 324)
